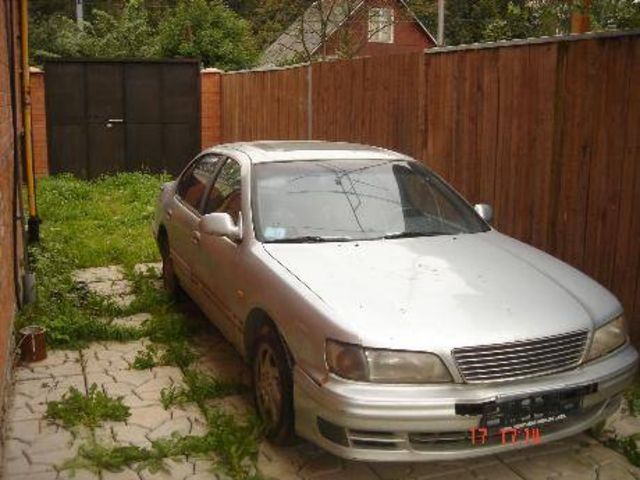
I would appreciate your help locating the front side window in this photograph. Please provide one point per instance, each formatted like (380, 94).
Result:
(195, 180)
(226, 193)
(342, 200)
(381, 22)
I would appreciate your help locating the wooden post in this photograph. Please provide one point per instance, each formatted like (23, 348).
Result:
(580, 20)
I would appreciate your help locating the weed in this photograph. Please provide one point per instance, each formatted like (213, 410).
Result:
(146, 359)
(632, 396)
(89, 410)
(199, 387)
(230, 442)
(179, 354)
(627, 446)
(176, 353)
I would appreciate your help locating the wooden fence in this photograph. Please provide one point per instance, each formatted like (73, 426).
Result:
(548, 132)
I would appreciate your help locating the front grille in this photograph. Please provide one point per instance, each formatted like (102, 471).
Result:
(527, 358)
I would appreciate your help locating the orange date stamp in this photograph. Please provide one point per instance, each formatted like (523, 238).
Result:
(509, 435)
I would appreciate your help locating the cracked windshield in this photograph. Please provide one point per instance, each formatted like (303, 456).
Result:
(343, 200)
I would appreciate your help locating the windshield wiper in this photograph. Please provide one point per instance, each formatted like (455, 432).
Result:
(391, 236)
(311, 239)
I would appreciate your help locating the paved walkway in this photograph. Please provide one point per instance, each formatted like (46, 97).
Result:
(34, 448)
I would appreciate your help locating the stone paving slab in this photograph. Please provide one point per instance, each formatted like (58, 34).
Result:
(108, 282)
(152, 270)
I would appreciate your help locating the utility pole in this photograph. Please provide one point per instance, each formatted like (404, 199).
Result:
(79, 13)
(441, 23)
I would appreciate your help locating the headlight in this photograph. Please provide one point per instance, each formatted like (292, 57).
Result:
(608, 337)
(384, 366)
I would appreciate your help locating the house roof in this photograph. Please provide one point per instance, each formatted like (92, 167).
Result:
(304, 36)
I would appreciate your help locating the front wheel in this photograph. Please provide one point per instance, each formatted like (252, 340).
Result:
(273, 386)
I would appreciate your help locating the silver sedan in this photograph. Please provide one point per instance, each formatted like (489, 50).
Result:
(384, 318)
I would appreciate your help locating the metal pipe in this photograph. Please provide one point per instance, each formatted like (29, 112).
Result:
(80, 14)
(440, 23)
(34, 221)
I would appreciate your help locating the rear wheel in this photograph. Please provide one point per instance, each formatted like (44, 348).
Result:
(273, 386)
(169, 278)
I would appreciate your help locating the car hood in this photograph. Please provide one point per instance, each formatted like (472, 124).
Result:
(438, 293)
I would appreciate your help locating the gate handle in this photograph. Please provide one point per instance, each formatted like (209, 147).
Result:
(111, 121)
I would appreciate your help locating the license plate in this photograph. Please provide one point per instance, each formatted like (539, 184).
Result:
(534, 411)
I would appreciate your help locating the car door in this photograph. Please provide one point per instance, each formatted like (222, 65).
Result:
(185, 212)
(220, 261)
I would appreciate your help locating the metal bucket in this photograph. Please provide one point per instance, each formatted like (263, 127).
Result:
(33, 344)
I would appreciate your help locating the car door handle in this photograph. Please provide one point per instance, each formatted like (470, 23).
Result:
(170, 213)
(195, 238)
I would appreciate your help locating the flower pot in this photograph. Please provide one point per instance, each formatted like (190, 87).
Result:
(33, 344)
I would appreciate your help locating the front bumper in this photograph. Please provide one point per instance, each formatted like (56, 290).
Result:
(414, 423)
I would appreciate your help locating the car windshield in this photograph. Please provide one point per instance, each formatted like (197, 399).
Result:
(347, 200)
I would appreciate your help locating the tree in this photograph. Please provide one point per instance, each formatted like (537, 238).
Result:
(333, 28)
(615, 14)
(54, 36)
(208, 30)
(148, 28)
(272, 17)
(126, 35)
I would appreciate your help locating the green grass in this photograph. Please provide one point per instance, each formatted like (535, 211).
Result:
(90, 224)
(102, 222)
(75, 408)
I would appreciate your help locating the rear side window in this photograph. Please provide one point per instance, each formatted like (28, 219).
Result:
(226, 194)
(194, 182)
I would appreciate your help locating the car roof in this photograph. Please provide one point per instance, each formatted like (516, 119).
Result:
(278, 151)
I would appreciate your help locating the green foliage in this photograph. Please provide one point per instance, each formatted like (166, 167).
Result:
(632, 396)
(146, 359)
(627, 446)
(210, 31)
(53, 36)
(198, 388)
(90, 410)
(490, 20)
(615, 14)
(128, 34)
(205, 29)
(177, 353)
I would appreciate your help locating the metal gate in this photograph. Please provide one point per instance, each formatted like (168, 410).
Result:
(113, 116)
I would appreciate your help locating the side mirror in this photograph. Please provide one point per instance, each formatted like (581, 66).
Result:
(220, 225)
(485, 211)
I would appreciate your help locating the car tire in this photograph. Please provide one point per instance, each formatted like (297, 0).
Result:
(273, 386)
(169, 278)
